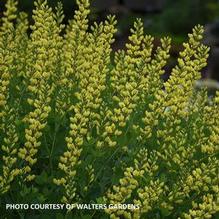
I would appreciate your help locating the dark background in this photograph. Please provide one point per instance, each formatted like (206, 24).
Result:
(174, 18)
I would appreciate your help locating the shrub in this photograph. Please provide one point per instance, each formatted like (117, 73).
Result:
(83, 124)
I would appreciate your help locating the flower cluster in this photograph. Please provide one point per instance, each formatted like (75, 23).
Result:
(84, 124)
(43, 48)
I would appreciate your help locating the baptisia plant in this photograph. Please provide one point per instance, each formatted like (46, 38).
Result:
(82, 123)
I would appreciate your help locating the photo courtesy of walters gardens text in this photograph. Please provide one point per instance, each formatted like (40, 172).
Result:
(70, 206)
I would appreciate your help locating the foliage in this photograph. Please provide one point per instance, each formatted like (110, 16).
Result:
(82, 124)
(187, 12)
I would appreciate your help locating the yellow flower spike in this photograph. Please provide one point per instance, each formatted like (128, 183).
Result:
(9, 150)
(129, 183)
(205, 209)
(40, 84)
(89, 88)
(9, 15)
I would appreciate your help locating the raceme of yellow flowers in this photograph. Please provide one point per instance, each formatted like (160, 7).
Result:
(103, 125)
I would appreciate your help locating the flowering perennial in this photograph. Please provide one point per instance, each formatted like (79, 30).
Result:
(84, 124)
